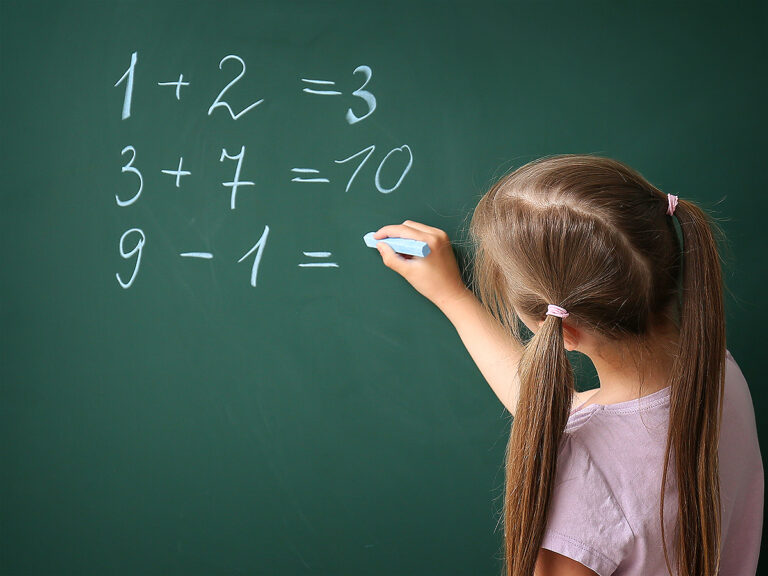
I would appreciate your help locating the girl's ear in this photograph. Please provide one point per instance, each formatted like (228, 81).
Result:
(571, 335)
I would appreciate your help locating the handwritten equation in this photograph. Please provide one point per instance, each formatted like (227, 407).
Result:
(133, 241)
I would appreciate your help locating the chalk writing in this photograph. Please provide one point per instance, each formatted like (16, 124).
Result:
(128, 86)
(390, 172)
(217, 103)
(321, 92)
(318, 264)
(377, 180)
(130, 168)
(179, 83)
(204, 255)
(236, 182)
(369, 98)
(138, 249)
(307, 171)
(260, 246)
(178, 172)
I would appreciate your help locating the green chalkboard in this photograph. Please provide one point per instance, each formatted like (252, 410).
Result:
(201, 377)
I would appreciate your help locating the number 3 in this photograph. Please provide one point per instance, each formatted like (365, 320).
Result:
(129, 168)
(369, 98)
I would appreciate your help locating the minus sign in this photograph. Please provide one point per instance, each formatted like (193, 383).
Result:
(206, 255)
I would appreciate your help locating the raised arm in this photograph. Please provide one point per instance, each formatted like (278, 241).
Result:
(493, 349)
(437, 277)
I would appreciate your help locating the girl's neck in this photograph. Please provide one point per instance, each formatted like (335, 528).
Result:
(622, 378)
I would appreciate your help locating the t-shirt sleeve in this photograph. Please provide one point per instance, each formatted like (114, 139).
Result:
(584, 521)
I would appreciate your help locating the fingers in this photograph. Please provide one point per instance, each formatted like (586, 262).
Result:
(413, 230)
(391, 258)
(419, 226)
(424, 227)
(403, 231)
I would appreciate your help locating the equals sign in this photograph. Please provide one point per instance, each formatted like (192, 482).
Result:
(321, 92)
(306, 171)
(318, 264)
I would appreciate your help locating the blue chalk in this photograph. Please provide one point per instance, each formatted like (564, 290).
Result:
(401, 245)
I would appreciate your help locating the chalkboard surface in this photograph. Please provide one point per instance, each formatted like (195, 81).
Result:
(203, 369)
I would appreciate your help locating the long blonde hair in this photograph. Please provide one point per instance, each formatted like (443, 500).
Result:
(592, 235)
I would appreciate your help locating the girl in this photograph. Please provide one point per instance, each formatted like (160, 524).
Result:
(659, 469)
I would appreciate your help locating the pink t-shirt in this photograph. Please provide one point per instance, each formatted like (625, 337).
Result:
(605, 505)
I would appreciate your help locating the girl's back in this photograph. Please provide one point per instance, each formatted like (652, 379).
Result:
(593, 258)
(605, 505)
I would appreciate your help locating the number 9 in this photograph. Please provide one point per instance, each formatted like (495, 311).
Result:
(136, 249)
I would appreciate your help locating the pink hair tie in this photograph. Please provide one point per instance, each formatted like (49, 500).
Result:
(672, 199)
(553, 310)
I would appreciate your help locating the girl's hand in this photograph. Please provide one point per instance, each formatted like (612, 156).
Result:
(435, 276)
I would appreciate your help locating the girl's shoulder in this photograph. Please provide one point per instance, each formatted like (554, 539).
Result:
(580, 397)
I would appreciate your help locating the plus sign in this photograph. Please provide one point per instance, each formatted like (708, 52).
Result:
(178, 85)
(178, 172)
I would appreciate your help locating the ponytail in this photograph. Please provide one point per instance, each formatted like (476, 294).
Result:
(696, 400)
(546, 393)
(595, 236)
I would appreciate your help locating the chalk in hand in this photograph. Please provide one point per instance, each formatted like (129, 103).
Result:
(401, 245)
